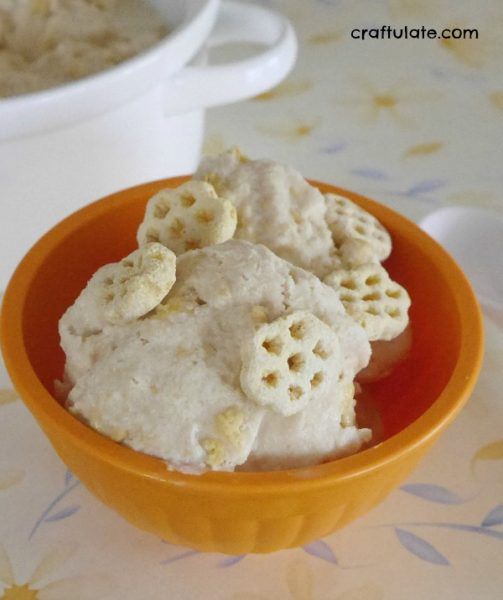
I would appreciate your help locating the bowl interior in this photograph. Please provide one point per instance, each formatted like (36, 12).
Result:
(105, 232)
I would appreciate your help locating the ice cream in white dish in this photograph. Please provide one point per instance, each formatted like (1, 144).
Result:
(246, 361)
(45, 43)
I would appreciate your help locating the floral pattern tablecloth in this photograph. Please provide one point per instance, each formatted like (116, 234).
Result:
(416, 124)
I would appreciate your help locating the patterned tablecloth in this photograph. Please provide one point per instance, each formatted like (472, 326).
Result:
(416, 124)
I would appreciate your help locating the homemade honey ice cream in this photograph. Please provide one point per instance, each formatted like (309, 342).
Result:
(276, 207)
(218, 353)
(45, 43)
(169, 384)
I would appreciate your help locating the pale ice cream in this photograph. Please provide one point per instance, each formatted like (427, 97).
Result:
(235, 354)
(169, 384)
(45, 43)
(276, 207)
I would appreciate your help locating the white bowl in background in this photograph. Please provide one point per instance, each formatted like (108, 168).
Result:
(138, 121)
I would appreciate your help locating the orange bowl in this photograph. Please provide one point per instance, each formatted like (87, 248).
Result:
(243, 512)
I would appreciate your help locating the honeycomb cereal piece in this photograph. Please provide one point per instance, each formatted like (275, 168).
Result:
(289, 362)
(40, 7)
(137, 283)
(348, 221)
(233, 426)
(348, 405)
(215, 455)
(230, 424)
(216, 170)
(354, 252)
(259, 314)
(376, 302)
(188, 217)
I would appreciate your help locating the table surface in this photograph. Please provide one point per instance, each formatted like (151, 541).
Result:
(417, 125)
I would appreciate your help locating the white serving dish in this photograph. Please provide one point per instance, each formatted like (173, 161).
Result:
(141, 120)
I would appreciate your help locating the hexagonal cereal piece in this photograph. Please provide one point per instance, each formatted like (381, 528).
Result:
(290, 361)
(188, 217)
(136, 284)
(348, 221)
(354, 252)
(376, 302)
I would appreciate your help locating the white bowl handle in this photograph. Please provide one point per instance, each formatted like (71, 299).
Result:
(203, 86)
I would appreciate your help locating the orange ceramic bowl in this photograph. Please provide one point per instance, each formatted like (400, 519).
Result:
(243, 512)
